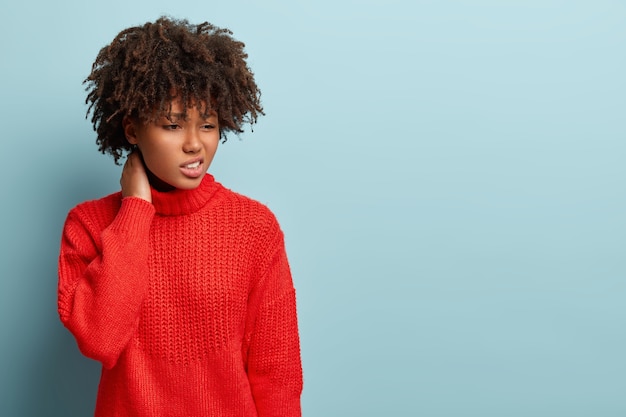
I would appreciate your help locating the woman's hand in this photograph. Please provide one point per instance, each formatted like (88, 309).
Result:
(134, 180)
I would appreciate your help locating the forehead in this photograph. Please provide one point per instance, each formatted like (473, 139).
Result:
(176, 109)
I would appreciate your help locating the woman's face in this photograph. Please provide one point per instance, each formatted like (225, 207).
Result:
(176, 150)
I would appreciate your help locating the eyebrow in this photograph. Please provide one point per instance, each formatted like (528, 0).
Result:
(176, 116)
(172, 116)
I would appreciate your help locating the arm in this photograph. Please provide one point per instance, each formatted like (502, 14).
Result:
(102, 282)
(274, 364)
(103, 272)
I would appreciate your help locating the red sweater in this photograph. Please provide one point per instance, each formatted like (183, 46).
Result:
(188, 303)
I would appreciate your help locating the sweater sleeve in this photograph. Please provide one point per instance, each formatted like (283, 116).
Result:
(273, 360)
(103, 279)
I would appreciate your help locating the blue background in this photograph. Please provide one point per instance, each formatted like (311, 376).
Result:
(449, 176)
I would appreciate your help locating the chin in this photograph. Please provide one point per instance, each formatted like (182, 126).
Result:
(190, 183)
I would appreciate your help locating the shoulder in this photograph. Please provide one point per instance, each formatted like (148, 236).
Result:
(252, 217)
(98, 211)
(104, 204)
(251, 209)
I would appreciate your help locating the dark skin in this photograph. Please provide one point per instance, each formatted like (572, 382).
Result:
(134, 179)
(175, 151)
(146, 67)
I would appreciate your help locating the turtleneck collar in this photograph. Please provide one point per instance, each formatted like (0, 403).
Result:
(178, 202)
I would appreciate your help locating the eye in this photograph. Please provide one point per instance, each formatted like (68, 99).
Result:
(172, 126)
(208, 126)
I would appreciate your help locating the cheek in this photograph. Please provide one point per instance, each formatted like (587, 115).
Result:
(213, 150)
(153, 158)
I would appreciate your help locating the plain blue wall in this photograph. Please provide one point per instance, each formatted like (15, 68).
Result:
(449, 176)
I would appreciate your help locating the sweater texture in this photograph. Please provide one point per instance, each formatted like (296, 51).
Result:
(187, 302)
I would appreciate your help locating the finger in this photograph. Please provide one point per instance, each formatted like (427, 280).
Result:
(131, 159)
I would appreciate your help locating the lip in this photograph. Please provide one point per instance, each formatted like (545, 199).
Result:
(193, 172)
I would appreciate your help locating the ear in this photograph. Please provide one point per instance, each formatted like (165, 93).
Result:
(130, 131)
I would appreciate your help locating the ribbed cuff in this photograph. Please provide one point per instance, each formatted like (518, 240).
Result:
(134, 217)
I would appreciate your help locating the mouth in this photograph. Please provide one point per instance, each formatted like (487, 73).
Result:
(192, 165)
(193, 168)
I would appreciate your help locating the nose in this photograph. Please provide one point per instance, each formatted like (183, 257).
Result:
(192, 142)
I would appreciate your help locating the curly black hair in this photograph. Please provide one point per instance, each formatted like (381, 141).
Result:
(146, 67)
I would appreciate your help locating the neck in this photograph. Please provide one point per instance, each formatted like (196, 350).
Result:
(157, 183)
(174, 201)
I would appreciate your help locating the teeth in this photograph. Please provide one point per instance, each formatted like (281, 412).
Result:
(194, 165)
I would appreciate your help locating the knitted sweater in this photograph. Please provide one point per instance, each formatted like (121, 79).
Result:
(187, 302)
